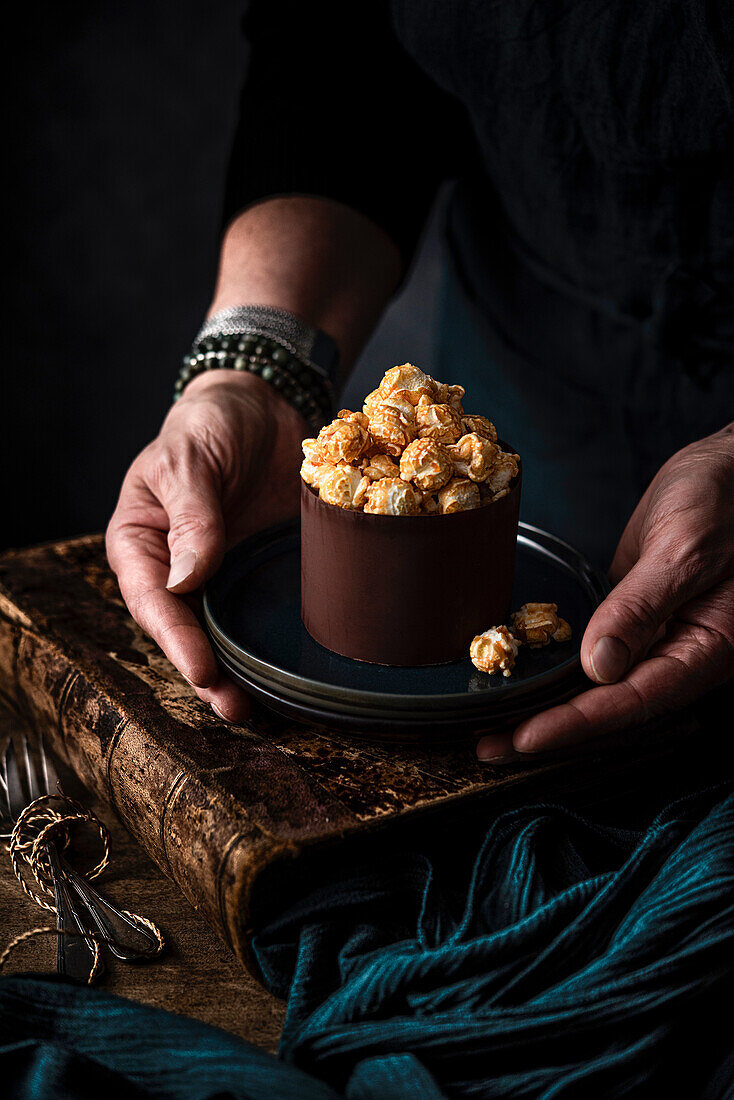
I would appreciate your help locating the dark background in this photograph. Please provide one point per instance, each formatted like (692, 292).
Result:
(121, 119)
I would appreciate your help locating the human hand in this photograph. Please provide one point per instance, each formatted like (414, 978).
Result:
(224, 465)
(665, 634)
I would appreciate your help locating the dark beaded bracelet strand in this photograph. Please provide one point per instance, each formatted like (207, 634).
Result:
(299, 384)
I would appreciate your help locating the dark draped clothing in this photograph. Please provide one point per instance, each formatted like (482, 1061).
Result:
(589, 299)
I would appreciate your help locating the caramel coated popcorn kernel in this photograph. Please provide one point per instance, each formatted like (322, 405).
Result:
(412, 380)
(344, 486)
(479, 425)
(427, 464)
(342, 441)
(391, 496)
(314, 465)
(354, 417)
(536, 623)
(502, 472)
(380, 466)
(390, 430)
(494, 651)
(474, 456)
(460, 495)
(439, 422)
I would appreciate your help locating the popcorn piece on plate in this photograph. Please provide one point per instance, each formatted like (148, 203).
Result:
(342, 441)
(494, 651)
(460, 495)
(474, 457)
(427, 464)
(391, 496)
(536, 623)
(479, 425)
(439, 422)
(378, 466)
(409, 379)
(390, 430)
(502, 472)
(344, 486)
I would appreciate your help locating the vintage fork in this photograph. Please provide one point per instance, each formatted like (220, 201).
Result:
(76, 953)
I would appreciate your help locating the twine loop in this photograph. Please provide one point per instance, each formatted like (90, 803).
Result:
(52, 819)
(49, 818)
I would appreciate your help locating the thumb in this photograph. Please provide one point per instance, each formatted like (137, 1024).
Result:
(196, 536)
(625, 625)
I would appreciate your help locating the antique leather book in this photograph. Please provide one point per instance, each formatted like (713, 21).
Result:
(232, 814)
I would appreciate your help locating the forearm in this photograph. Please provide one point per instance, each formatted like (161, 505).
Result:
(328, 264)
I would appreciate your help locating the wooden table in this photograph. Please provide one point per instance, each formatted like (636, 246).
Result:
(197, 976)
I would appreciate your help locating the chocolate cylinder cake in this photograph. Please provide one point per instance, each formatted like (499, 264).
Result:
(409, 516)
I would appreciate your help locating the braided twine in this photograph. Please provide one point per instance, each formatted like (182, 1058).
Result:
(51, 818)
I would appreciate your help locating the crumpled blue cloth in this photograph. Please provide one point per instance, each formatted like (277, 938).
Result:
(582, 961)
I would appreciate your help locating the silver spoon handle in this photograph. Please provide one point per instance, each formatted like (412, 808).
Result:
(75, 952)
(125, 937)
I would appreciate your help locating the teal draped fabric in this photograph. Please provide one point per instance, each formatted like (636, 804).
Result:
(581, 961)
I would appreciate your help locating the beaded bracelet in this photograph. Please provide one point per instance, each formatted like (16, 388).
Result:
(273, 357)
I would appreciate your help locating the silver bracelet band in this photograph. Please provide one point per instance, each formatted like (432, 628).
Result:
(311, 346)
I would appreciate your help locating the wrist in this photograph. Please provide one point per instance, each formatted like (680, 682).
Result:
(297, 361)
(235, 388)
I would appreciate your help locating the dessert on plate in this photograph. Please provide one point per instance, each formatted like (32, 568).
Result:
(409, 514)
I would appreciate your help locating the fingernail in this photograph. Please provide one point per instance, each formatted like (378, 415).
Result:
(609, 659)
(182, 566)
(218, 712)
(489, 754)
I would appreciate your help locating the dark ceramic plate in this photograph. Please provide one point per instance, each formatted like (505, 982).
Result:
(252, 614)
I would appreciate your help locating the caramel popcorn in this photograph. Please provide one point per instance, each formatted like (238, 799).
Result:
(460, 495)
(313, 472)
(410, 381)
(391, 496)
(494, 651)
(478, 425)
(536, 623)
(439, 422)
(371, 402)
(378, 466)
(450, 395)
(504, 468)
(342, 441)
(314, 467)
(344, 486)
(390, 430)
(474, 456)
(312, 451)
(401, 404)
(427, 464)
(355, 417)
(412, 434)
